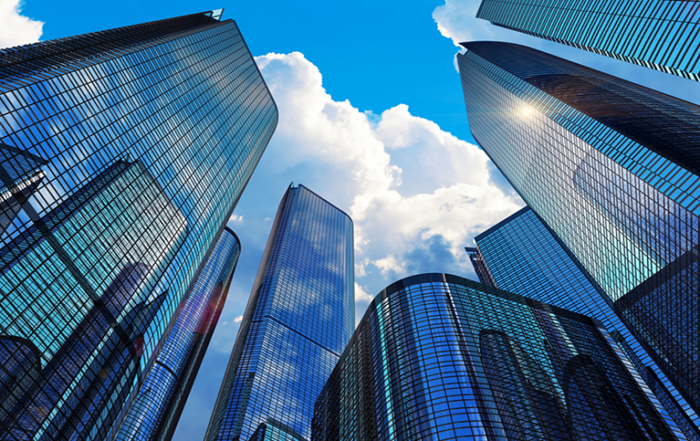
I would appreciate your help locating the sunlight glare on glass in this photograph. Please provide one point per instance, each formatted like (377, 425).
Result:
(526, 111)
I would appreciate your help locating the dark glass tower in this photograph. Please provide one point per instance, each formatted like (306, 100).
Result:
(611, 168)
(659, 34)
(157, 408)
(122, 155)
(299, 318)
(441, 357)
(522, 256)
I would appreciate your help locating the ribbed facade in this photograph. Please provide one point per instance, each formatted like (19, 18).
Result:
(572, 142)
(159, 403)
(524, 257)
(441, 357)
(122, 155)
(480, 266)
(659, 34)
(298, 320)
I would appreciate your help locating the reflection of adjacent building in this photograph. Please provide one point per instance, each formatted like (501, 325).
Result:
(273, 430)
(108, 374)
(521, 255)
(20, 176)
(658, 34)
(124, 147)
(160, 401)
(63, 299)
(441, 357)
(299, 317)
(612, 169)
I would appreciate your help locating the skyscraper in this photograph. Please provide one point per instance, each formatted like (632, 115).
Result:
(610, 167)
(122, 155)
(298, 320)
(157, 408)
(441, 357)
(658, 34)
(521, 255)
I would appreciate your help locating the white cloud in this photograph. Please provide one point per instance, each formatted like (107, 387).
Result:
(236, 219)
(361, 296)
(361, 267)
(14, 28)
(412, 189)
(238, 319)
(388, 264)
(456, 20)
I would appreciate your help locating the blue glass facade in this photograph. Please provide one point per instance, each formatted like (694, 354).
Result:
(273, 430)
(566, 138)
(298, 320)
(439, 357)
(659, 34)
(122, 155)
(522, 256)
(157, 408)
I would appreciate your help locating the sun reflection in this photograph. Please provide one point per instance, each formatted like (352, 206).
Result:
(526, 111)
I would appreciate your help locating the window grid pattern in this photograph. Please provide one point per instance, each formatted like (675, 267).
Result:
(438, 357)
(128, 156)
(156, 409)
(480, 267)
(525, 258)
(621, 229)
(653, 135)
(658, 34)
(297, 322)
(274, 431)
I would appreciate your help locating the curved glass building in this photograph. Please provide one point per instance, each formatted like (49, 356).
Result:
(441, 357)
(611, 168)
(122, 156)
(659, 34)
(521, 255)
(300, 315)
(157, 408)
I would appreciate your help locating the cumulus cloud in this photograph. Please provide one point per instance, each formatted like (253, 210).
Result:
(456, 20)
(417, 194)
(361, 295)
(238, 319)
(16, 29)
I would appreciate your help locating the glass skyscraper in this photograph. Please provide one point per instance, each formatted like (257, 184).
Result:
(122, 155)
(441, 357)
(157, 408)
(659, 34)
(610, 167)
(521, 255)
(298, 320)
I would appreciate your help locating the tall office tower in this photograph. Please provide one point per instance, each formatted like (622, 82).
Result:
(659, 34)
(122, 155)
(611, 168)
(298, 320)
(157, 408)
(521, 255)
(441, 357)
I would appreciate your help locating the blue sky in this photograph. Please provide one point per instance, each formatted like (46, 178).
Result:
(371, 118)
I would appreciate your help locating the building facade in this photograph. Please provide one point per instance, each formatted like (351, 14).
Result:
(441, 357)
(658, 34)
(521, 255)
(298, 320)
(159, 403)
(578, 146)
(122, 155)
